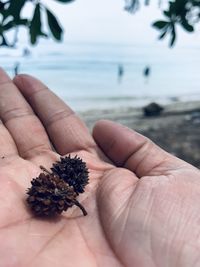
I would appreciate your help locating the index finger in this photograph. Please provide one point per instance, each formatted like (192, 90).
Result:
(66, 131)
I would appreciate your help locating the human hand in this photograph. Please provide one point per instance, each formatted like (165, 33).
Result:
(148, 222)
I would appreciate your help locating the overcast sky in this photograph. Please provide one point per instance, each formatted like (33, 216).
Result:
(106, 21)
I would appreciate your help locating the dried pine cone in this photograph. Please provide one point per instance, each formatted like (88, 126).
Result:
(51, 195)
(74, 171)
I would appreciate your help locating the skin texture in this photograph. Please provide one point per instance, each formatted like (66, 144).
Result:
(143, 204)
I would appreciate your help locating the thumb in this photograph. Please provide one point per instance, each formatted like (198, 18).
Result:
(129, 149)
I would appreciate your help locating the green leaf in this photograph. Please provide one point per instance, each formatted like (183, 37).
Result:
(11, 24)
(187, 26)
(160, 24)
(162, 35)
(3, 41)
(1, 6)
(15, 8)
(173, 36)
(8, 26)
(35, 25)
(167, 13)
(178, 7)
(22, 22)
(54, 26)
(4, 13)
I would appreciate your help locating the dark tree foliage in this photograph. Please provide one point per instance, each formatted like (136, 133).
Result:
(11, 19)
(184, 13)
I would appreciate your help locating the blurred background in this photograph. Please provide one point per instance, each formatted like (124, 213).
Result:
(108, 57)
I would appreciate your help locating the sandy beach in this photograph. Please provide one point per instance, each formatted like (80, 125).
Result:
(177, 129)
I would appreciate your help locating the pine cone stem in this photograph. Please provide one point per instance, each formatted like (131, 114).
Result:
(45, 170)
(80, 207)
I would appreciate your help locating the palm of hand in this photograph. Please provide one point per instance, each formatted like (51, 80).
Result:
(130, 222)
(63, 241)
(69, 240)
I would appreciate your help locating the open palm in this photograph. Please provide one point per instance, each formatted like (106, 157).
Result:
(147, 222)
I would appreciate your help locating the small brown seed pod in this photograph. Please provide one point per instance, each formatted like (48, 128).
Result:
(51, 195)
(73, 171)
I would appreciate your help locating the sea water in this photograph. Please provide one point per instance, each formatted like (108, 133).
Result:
(86, 75)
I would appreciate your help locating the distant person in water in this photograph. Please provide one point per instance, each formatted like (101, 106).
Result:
(147, 71)
(120, 72)
(26, 52)
(16, 68)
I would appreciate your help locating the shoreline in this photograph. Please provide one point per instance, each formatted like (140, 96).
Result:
(176, 130)
(131, 116)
